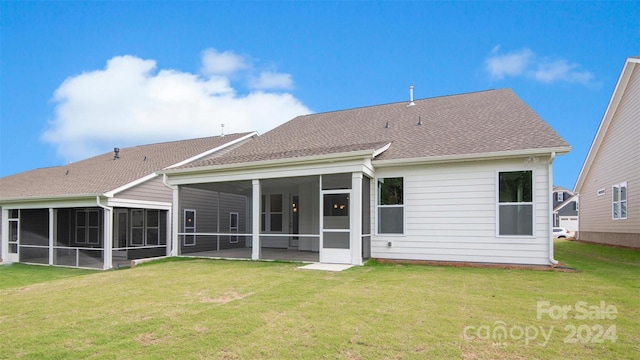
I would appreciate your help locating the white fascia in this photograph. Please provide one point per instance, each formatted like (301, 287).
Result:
(214, 150)
(128, 203)
(303, 160)
(471, 157)
(141, 180)
(127, 186)
(49, 201)
(616, 97)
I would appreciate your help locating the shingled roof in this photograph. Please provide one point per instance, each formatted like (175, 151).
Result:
(103, 173)
(474, 123)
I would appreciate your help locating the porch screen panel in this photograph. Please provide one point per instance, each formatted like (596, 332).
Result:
(34, 227)
(336, 232)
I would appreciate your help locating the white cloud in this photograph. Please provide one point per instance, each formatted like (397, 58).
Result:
(527, 64)
(221, 63)
(561, 70)
(510, 64)
(130, 103)
(272, 80)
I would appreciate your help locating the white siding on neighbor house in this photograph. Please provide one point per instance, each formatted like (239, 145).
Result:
(617, 161)
(450, 214)
(152, 190)
(2, 240)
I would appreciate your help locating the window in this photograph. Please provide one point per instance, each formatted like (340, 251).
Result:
(189, 227)
(271, 213)
(390, 205)
(275, 216)
(88, 227)
(560, 196)
(515, 203)
(137, 227)
(233, 227)
(14, 221)
(153, 227)
(619, 201)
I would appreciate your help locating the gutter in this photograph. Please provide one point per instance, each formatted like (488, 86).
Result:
(470, 157)
(164, 182)
(331, 157)
(550, 199)
(102, 206)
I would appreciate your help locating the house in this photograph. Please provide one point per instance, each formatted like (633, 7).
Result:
(463, 178)
(101, 211)
(609, 181)
(565, 209)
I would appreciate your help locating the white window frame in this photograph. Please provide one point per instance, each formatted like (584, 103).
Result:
(185, 228)
(233, 238)
(265, 216)
(132, 227)
(15, 220)
(560, 196)
(600, 192)
(147, 227)
(532, 203)
(616, 190)
(87, 227)
(378, 206)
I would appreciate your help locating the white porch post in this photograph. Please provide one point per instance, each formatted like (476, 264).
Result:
(107, 246)
(255, 220)
(356, 219)
(4, 237)
(168, 233)
(52, 229)
(175, 210)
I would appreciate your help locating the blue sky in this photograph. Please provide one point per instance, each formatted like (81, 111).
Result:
(79, 78)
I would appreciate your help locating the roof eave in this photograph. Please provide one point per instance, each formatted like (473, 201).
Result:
(618, 92)
(360, 154)
(471, 157)
(31, 199)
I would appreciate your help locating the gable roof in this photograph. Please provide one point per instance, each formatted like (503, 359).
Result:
(566, 202)
(101, 174)
(475, 123)
(561, 189)
(630, 64)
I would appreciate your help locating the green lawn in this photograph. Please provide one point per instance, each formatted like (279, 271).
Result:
(208, 309)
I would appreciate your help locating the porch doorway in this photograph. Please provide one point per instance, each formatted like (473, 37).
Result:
(120, 233)
(294, 223)
(336, 231)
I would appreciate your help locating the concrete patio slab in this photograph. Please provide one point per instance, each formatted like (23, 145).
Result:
(326, 267)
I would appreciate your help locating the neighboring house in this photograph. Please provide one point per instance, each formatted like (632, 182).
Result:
(565, 209)
(99, 211)
(609, 182)
(463, 178)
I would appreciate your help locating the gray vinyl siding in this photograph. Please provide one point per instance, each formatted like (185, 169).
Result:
(568, 210)
(152, 190)
(2, 239)
(209, 220)
(616, 161)
(450, 215)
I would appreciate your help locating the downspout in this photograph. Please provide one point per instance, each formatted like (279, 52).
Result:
(172, 224)
(550, 199)
(108, 241)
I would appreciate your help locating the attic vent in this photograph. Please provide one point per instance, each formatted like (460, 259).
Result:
(116, 151)
(411, 103)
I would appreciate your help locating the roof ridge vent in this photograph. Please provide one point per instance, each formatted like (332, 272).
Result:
(411, 103)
